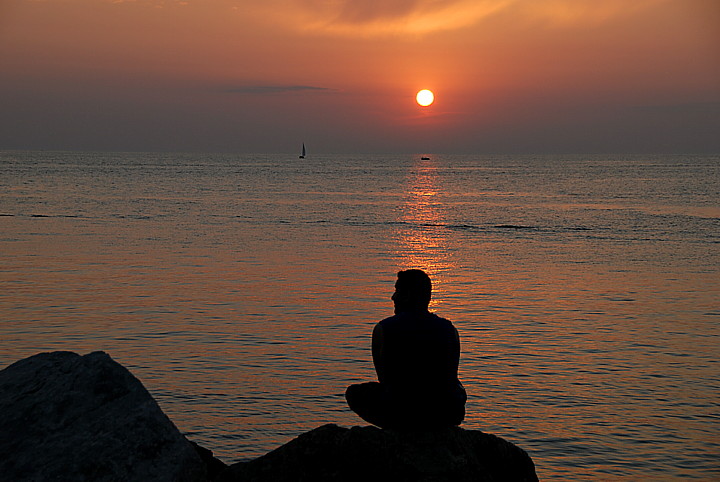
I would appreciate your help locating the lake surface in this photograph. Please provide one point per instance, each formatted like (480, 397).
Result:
(242, 291)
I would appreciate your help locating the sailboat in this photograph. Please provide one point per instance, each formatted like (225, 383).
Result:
(302, 156)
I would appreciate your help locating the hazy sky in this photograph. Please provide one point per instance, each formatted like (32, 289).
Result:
(511, 76)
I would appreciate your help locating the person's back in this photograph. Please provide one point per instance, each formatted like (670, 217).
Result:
(416, 355)
(420, 353)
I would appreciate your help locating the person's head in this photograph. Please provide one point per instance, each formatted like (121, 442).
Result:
(412, 290)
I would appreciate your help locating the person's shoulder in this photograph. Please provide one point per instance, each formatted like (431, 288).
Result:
(439, 318)
(441, 321)
(399, 321)
(389, 320)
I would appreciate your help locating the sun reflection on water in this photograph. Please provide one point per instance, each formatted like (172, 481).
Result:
(422, 236)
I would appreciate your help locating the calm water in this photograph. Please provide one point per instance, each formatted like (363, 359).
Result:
(242, 291)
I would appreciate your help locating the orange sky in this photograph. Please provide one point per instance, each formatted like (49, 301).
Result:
(262, 76)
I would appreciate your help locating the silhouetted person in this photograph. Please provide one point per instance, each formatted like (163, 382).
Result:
(416, 355)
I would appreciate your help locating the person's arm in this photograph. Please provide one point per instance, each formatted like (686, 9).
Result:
(377, 352)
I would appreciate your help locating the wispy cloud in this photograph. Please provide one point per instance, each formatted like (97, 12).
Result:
(398, 17)
(388, 17)
(276, 89)
(373, 18)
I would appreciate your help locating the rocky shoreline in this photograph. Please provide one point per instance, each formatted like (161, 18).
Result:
(64, 416)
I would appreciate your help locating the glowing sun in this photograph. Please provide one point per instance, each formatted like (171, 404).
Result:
(425, 97)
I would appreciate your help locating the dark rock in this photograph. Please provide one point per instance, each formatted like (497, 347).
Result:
(214, 465)
(69, 417)
(332, 453)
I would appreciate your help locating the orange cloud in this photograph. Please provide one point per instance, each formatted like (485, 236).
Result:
(378, 18)
(370, 18)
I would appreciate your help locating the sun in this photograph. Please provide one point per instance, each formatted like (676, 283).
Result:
(425, 97)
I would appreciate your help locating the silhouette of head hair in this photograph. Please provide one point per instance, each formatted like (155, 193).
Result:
(414, 286)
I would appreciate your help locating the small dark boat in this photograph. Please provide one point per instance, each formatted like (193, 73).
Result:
(302, 156)
(423, 158)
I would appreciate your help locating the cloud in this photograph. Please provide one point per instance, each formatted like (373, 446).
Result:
(378, 18)
(372, 18)
(276, 89)
(368, 18)
(389, 17)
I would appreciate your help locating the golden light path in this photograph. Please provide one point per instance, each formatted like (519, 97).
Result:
(425, 244)
(425, 97)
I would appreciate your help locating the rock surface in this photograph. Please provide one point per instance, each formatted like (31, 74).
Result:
(332, 453)
(69, 417)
